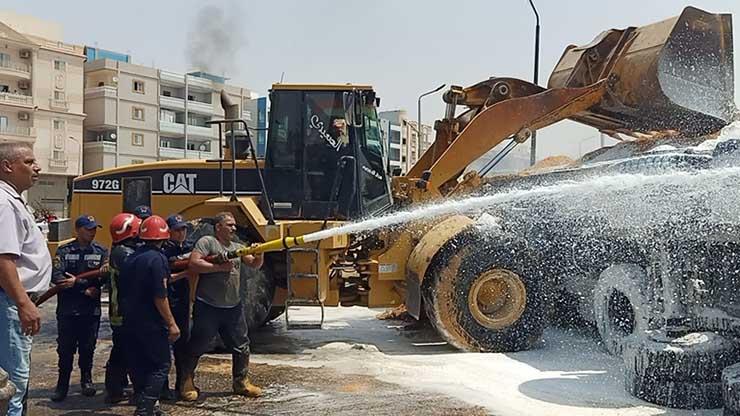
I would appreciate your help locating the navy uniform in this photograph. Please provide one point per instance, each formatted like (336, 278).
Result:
(143, 284)
(179, 296)
(78, 309)
(124, 229)
(116, 369)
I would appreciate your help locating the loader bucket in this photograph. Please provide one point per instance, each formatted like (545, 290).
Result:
(672, 75)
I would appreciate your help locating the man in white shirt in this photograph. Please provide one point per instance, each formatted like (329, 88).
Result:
(25, 267)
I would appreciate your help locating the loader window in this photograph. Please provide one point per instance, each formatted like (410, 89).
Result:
(374, 186)
(327, 138)
(136, 191)
(284, 149)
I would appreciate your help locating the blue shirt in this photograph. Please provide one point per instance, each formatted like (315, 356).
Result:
(74, 259)
(142, 279)
(178, 290)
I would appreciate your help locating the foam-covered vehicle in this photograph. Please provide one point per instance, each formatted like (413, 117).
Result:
(641, 241)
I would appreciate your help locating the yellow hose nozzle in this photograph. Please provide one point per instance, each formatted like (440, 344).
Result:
(274, 245)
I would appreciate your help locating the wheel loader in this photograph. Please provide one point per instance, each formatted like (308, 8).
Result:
(324, 166)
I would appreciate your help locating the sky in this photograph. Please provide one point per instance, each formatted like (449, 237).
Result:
(402, 48)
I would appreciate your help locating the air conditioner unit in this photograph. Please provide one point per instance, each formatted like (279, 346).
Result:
(25, 53)
(23, 85)
(23, 116)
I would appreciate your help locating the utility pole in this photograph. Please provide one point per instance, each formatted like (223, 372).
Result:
(533, 143)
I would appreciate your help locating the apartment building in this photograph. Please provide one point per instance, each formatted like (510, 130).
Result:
(402, 139)
(139, 114)
(41, 103)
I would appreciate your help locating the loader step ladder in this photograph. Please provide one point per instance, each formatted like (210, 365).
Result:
(293, 300)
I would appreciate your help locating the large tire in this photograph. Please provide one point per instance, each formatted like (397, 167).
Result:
(682, 372)
(731, 390)
(675, 394)
(621, 306)
(485, 295)
(695, 357)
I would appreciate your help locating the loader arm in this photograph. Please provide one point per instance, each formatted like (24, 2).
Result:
(515, 117)
(671, 77)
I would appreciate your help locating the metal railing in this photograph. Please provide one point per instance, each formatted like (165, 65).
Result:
(54, 103)
(17, 131)
(15, 66)
(16, 98)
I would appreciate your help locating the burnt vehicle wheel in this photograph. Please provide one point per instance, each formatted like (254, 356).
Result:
(620, 305)
(484, 296)
(731, 390)
(678, 371)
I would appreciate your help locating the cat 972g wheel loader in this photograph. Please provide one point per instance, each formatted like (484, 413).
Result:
(325, 166)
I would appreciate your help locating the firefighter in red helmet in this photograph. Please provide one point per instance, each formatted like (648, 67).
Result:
(124, 228)
(148, 319)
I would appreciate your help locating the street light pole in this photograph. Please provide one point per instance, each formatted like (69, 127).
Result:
(419, 128)
(533, 143)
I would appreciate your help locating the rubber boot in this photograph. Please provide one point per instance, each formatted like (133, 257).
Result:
(145, 407)
(239, 370)
(62, 388)
(188, 392)
(166, 393)
(86, 384)
(113, 385)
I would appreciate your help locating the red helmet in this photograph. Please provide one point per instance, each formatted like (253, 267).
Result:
(124, 226)
(154, 228)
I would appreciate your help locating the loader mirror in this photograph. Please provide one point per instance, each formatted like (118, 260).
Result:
(353, 109)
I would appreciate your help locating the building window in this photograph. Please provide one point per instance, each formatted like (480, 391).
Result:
(59, 96)
(138, 86)
(395, 137)
(167, 116)
(137, 139)
(137, 113)
(60, 65)
(57, 155)
(58, 124)
(395, 154)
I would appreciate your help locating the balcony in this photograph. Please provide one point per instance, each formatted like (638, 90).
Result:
(174, 103)
(177, 103)
(179, 129)
(174, 153)
(200, 107)
(101, 146)
(19, 133)
(15, 69)
(171, 127)
(16, 99)
(58, 104)
(58, 163)
(102, 91)
(200, 131)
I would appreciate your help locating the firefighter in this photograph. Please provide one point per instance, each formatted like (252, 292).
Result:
(174, 249)
(218, 309)
(143, 212)
(124, 229)
(148, 319)
(78, 305)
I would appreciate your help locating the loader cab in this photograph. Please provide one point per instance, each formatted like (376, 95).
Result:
(324, 153)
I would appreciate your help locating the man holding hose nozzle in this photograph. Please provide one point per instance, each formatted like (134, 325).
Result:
(78, 305)
(217, 308)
